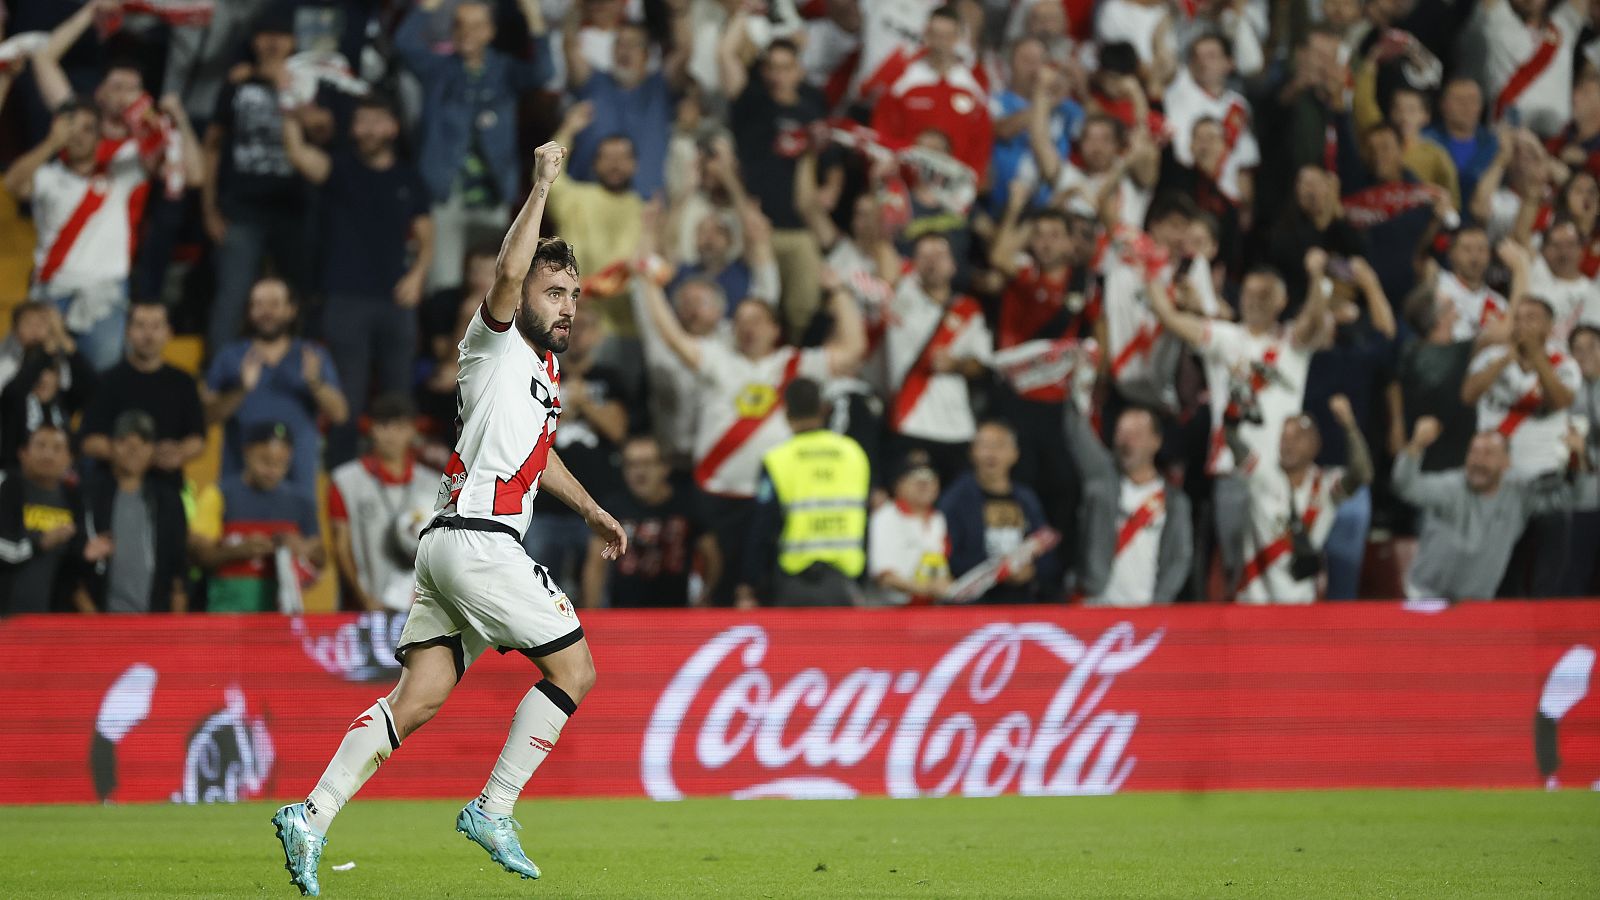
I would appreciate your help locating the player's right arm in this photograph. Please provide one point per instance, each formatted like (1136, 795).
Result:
(516, 252)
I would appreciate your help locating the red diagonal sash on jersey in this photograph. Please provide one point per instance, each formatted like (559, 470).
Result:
(921, 371)
(741, 430)
(1273, 551)
(1529, 72)
(1526, 405)
(1143, 340)
(1140, 518)
(1490, 311)
(94, 196)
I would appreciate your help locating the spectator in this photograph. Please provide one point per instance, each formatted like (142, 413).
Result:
(1290, 505)
(937, 92)
(1523, 390)
(807, 538)
(1012, 161)
(594, 420)
(739, 397)
(1313, 220)
(1582, 565)
(1557, 278)
(672, 558)
(377, 505)
(1577, 145)
(1460, 131)
(273, 377)
(1305, 113)
(1471, 516)
(143, 382)
(1136, 534)
(34, 324)
(143, 519)
(50, 388)
(755, 274)
(1145, 25)
(604, 220)
(240, 524)
(468, 144)
(832, 50)
(1200, 92)
(989, 515)
(1408, 112)
(1257, 371)
(252, 204)
(1476, 305)
(86, 207)
(628, 101)
(42, 544)
(771, 112)
(936, 343)
(1115, 161)
(1427, 380)
(1388, 203)
(1528, 48)
(908, 542)
(375, 265)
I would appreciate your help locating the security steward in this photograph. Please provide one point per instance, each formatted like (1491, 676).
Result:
(807, 539)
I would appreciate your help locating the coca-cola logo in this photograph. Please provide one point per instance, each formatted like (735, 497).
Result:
(1012, 707)
(361, 649)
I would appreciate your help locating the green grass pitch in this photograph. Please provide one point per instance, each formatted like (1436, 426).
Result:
(1300, 845)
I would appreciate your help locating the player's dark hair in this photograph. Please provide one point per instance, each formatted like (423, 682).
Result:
(553, 255)
(802, 399)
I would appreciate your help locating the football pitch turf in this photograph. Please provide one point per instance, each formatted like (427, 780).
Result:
(1301, 845)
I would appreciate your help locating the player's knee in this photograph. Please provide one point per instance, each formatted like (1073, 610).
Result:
(412, 710)
(575, 679)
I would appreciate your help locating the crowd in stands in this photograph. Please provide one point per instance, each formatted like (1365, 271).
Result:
(1120, 302)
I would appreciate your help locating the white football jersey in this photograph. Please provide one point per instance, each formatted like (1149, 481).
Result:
(740, 414)
(508, 403)
(87, 225)
(1274, 368)
(1132, 581)
(933, 406)
(1474, 308)
(1268, 545)
(1514, 406)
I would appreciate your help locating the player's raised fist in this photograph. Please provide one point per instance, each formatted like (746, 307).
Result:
(547, 162)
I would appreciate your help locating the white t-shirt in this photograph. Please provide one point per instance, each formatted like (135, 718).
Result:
(1513, 406)
(914, 546)
(1570, 298)
(1273, 366)
(377, 508)
(1131, 325)
(1545, 104)
(1474, 308)
(509, 404)
(77, 251)
(1186, 103)
(1267, 547)
(1133, 571)
(925, 404)
(1135, 199)
(740, 412)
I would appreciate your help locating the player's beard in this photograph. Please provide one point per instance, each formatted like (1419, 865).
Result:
(541, 334)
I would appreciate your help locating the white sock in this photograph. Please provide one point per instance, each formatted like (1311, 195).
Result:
(534, 730)
(367, 743)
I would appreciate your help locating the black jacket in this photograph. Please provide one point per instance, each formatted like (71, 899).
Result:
(167, 522)
(17, 545)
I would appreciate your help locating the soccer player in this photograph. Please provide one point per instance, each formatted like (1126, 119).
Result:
(476, 588)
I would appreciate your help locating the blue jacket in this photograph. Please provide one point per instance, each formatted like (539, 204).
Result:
(963, 508)
(454, 107)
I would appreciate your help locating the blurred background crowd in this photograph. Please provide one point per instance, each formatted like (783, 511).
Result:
(1114, 302)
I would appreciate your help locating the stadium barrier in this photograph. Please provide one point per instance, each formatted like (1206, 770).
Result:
(832, 703)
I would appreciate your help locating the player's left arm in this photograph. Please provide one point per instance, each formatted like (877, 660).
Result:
(516, 252)
(560, 483)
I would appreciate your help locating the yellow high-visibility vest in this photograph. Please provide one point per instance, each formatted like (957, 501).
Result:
(822, 479)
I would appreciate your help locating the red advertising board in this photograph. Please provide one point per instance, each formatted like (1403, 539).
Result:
(831, 703)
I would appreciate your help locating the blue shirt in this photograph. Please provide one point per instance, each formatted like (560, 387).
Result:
(1471, 156)
(643, 113)
(282, 395)
(1066, 120)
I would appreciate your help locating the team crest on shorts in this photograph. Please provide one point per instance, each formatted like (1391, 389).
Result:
(564, 606)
